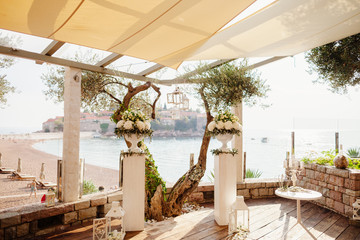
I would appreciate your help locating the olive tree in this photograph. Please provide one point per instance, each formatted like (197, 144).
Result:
(337, 63)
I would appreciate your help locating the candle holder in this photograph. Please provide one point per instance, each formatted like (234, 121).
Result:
(293, 167)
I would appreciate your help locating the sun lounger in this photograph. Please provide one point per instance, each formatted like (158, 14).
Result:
(21, 176)
(41, 184)
(4, 170)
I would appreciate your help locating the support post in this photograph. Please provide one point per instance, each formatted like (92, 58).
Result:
(71, 135)
(134, 192)
(237, 143)
(292, 143)
(244, 165)
(337, 142)
(224, 187)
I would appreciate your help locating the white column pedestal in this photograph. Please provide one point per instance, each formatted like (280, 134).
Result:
(225, 187)
(134, 192)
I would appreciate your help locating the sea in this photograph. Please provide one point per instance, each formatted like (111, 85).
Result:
(265, 150)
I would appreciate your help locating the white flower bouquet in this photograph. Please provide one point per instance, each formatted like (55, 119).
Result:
(133, 122)
(224, 123)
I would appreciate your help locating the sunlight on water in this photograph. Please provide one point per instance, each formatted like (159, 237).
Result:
(172, 154)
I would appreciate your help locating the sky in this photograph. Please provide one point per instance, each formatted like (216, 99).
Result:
(295, 101)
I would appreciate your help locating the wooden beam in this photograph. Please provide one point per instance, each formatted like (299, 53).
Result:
(151, 70)
(182, 79)
(109, 59)
(68, 63)
(267, 61)
(52, 48)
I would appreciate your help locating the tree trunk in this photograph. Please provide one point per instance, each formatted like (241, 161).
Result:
(190, 180)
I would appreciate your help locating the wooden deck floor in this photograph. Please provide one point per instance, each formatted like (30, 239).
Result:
(269, 219)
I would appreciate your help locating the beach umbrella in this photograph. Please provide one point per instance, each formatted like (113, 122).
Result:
(19, 165)
(42, 174)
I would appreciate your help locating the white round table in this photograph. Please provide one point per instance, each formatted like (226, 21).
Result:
(304, 195)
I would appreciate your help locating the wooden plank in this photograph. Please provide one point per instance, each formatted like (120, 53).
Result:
(151, 70)
(109, 59)
(351, 232)
(336, 229)
(317, 217)
(321, 227)
(267, 227)
(52, 48)
(288, 222)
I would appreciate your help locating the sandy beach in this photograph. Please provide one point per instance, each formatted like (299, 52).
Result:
(15, 193)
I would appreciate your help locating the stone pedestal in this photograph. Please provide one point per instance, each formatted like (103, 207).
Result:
(225, 187)
(134, 192)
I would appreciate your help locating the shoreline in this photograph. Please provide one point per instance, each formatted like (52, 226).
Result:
(15, 193)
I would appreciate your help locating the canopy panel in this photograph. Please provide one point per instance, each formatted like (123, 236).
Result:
(283, 29)
(139, 28)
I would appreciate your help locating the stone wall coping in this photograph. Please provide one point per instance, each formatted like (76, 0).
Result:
(353, 173)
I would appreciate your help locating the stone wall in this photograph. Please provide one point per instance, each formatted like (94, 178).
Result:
(252, 188)
(29, 222)
(339, 187)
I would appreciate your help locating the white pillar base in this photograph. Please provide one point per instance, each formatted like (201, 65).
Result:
(134, 192)
(225, 187)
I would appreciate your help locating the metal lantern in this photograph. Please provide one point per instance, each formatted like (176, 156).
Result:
(356, 209)
(100, 229)
(239, 217)
(50, 198)
(116, 214)
(176, 97)
(185, 105)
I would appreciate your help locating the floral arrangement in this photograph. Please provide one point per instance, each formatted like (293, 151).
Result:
(225, 123)
(115, 235)
(133, 122)
(218, 151)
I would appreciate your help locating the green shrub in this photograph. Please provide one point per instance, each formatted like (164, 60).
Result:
(353, 152)
(253, 173)
(327, 158)
(89, 187)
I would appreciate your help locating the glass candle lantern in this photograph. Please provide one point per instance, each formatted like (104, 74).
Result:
(50, 199)
(115, 221)
(356, 209)
(239, 217)
(176, 97)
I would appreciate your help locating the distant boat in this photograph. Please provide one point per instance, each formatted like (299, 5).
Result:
(96, 135)
(252, 138)
(264, 140)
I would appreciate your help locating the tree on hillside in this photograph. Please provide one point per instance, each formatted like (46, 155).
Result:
(337, 63)
(104, 127)
(6, 62)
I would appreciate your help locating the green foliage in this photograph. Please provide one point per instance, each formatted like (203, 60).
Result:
(229, 85)
(104, 127)
(218, 151)
(253, 173)
(327, 158)
(337, 63)
(225, 116)
(89, 187)
(212, 176)
(353, 152)
(152, 176)
(185, 124)
(6, 62)
(217, 131)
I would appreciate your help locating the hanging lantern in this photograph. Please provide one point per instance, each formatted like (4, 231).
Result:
(185, 105)
(175, 97)
(239, 217)
(116, 215)
(356, 209)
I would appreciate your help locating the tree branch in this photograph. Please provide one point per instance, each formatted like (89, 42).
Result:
(112, 96)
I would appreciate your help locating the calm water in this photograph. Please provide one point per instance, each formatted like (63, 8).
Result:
(172, 154)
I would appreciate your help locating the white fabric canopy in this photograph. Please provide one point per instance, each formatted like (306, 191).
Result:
(285, 28)
(171, 31)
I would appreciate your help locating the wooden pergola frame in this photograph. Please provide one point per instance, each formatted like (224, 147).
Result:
(47, 56)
